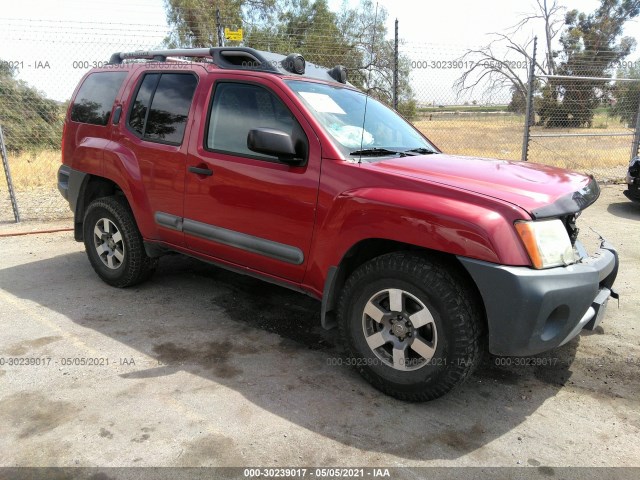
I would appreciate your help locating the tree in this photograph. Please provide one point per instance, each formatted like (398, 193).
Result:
(193, 22)
(354, 38)
(310, 28)
(29, 120)
(626, 95)
(6, 70)
(502, 62)
(518, 103)
(306, 27)
(591, 47)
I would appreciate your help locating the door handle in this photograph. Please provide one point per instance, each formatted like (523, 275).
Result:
(201, 171)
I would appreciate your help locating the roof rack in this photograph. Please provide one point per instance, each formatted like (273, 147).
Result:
(231, 57)
(239, 58)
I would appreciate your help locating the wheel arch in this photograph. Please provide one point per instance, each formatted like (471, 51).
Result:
(366, 250)
(92, 188)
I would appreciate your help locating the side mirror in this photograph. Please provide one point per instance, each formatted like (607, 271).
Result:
(273, 142)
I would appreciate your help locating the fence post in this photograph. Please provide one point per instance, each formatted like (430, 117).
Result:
(219, 28)
(395, 70)
(7, 173)
(636, 135)
(529, 110)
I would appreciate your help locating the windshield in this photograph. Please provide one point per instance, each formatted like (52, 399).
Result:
(341, 112)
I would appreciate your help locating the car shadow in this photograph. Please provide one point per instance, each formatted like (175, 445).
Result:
(265, 342)
(629, 210)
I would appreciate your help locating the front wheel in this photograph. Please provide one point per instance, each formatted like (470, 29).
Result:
(411, 325)
(114, 245)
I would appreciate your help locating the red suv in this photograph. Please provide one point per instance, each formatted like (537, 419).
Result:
(278, 168)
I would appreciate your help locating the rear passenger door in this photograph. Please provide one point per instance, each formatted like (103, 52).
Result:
(155, 132)
(248, 208)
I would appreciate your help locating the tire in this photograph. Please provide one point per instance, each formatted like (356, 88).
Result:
(411, 325)
(109, 226)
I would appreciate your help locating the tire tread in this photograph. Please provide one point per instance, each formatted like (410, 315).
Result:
(139, 265)
(453, 290)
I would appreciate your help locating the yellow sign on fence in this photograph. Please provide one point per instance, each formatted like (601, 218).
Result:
(233, 34)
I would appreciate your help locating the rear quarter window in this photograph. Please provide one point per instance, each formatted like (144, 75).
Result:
(94, 100)
(161, 106)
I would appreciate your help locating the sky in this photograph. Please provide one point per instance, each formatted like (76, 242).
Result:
(464, 22)
(55, 41)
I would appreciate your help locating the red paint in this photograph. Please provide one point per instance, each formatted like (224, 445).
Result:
(459, 205)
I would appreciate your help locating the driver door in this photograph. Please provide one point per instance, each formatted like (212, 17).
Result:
(242, 207)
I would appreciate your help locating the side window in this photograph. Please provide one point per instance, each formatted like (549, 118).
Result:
(94, 100)
(238, 108)
(161, 107)
(141, 103)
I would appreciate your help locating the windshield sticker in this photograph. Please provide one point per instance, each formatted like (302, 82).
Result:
(322, 103)
(350, 136)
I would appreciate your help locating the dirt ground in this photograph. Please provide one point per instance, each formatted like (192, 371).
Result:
(202, 367)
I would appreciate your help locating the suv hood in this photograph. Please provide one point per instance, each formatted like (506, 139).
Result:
(541, 190)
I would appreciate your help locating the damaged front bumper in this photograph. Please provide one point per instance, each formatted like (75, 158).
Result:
(530, 311)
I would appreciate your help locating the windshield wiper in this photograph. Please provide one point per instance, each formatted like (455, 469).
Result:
(377, 151)
(419, 151)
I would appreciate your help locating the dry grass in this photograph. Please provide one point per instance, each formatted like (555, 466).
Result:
(32, 170)
(489, 136)
(497, 136)
(500, 136)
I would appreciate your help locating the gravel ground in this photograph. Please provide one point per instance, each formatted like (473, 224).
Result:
(35, 205)
(202, 367)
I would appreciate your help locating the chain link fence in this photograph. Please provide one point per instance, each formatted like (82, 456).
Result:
(581, 122)
(599, 142)
(475, 122)
(36, 86)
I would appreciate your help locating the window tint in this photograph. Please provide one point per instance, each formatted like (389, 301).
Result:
(160, 110)
(141, 104)
(94, 100)
(238, 108)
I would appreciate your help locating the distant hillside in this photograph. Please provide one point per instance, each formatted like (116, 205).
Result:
(29, 120)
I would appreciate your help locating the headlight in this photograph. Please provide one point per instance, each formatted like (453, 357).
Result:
(547, 243)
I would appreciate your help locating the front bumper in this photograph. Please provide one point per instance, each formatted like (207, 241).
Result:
(530, 311)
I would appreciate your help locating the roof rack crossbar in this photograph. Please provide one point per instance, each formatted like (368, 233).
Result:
(239, 58)
(118, 57)
(223, 57)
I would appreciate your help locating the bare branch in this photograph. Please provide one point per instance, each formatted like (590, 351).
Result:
(496, 72)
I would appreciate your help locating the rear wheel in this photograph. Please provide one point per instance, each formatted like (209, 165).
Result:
(410, 325)
(114, 245)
